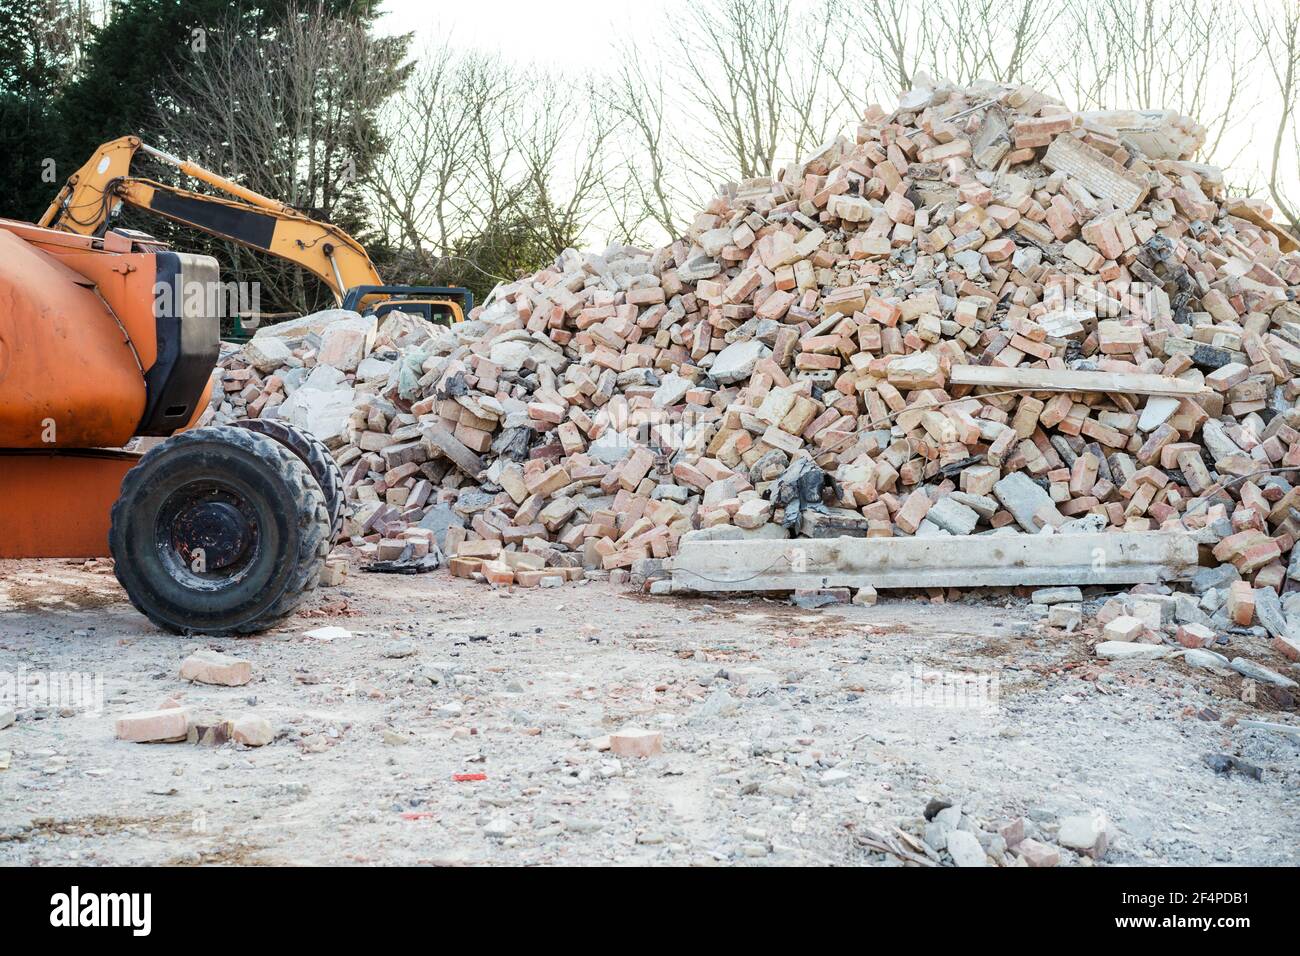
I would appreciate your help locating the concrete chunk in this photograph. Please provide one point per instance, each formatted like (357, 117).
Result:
(1024, 499)
(996, 560)
(737, 361)
(953, 516)
(1062, 595)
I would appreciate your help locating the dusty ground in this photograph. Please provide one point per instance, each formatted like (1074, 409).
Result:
(790, 736)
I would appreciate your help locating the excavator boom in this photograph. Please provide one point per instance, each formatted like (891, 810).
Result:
(91, 196)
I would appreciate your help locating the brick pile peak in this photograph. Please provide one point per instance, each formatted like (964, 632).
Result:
(982, 313)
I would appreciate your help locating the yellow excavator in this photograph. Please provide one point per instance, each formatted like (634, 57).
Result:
(92, 197)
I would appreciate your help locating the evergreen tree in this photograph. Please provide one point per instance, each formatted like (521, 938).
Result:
(66, 86)
(33, 67)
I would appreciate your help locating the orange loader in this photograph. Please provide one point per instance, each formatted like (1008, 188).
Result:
(215, 530)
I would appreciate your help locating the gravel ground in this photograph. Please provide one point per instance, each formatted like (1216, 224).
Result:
(790, 737)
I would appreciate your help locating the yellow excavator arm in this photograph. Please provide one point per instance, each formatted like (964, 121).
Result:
(90, 197)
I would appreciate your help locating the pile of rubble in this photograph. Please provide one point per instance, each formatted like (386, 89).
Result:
(984, 313)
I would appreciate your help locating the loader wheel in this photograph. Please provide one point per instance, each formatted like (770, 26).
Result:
(314, 455)
(218, 531)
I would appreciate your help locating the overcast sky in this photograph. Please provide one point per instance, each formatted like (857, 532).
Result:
(560, 32)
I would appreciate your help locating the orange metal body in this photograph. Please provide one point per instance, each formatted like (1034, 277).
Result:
(77, 333)
(57, 504)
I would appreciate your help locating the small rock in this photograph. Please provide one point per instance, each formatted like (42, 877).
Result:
(1085, 834)
(328, 633)
(965, 849)
(212, 667)
(949, 817)
(1065, 616)
(1122, 650)
(1057, 595)
(1124, 628)
(1226, 763)
(865, 596)
(1013, 832)
(935, 805)
(1195, 635)
(1037, 854)
(1248, 668)
(782, 788)
(636, 742)
(209, 731)
(252, 731)
(1197, 657)
(820, 597)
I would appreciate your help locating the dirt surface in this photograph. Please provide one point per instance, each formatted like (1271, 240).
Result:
(789, 736)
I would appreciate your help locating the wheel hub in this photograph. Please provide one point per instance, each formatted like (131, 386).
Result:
(211, 533)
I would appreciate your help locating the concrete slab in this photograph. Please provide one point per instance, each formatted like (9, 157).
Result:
(950, 561)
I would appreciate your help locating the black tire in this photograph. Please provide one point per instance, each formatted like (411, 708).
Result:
(218, 531)
(317, 458)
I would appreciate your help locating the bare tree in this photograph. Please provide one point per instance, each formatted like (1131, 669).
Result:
(738, 87)
(290, 115)
(446, 136)
(891, 35)
(1277, 29)
(566, 163)
(752, 73)
(649, 147)
(1184, 55)
(491, 169)
(958, 40)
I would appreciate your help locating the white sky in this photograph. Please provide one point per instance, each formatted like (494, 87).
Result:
(577, 32)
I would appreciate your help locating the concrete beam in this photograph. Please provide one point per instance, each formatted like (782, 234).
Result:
(988, 560)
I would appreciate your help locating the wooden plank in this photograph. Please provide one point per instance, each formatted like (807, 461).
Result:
(1245, 210)
(1060, 380)
(987, 560)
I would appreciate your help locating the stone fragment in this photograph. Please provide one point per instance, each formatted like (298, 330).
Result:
(636, 742)
(1085, 834)
(153, 726)
(252, 730)
(211, 667)
(1037, 854)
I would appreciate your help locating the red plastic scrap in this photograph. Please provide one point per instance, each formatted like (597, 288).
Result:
(468, 777)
